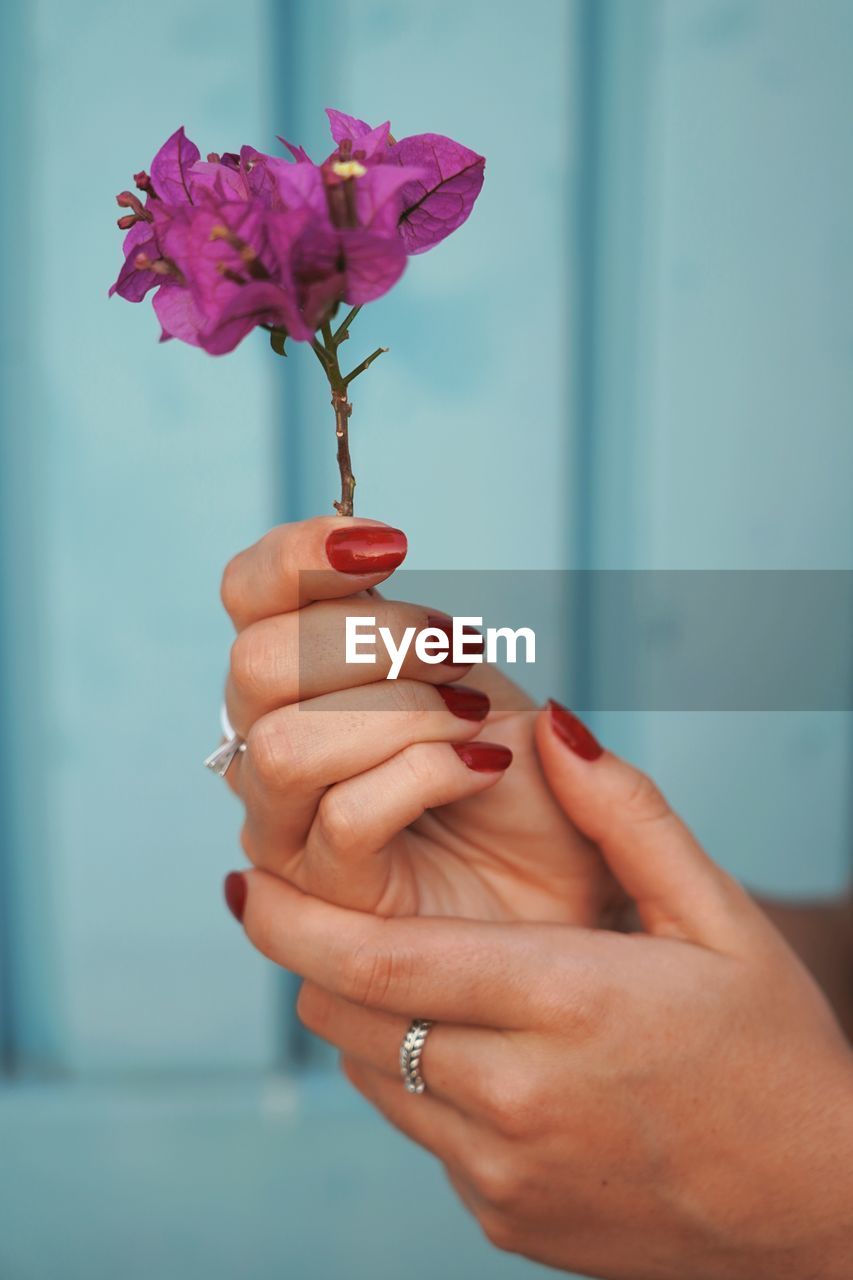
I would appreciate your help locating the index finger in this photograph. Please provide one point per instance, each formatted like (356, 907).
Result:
(290, 566)
(468, 971)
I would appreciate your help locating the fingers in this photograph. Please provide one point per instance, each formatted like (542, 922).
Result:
(431, 1123)
(297, 656)
(463, 1066)
(467, 971)
(348, 859)
(679, 891)
(293, 755)
(315, 560)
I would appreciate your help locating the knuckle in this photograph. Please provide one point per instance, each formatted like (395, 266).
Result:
(247, 841)
(273, 753)
(231, 588)
(644, 800)
(313, 1008)
(373, 971)
(499, 1230)
(516, 1108)
(278, 551)
(419, 764)
(496, 1180)
(262, 933)
(337, 824)
(583, 999)
(258, 850)
(408, 696)
(253, 661)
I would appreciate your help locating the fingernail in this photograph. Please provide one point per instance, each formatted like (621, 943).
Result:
(483, 757)
(574, 732)
(365, 548)
(468, 704)
(235, 890)
(474, 642)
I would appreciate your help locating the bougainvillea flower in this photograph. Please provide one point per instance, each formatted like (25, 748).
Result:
(241, 240)
(172, 167)
(234, 260)
(438, 201)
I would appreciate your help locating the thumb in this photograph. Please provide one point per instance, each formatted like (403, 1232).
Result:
(678, 890)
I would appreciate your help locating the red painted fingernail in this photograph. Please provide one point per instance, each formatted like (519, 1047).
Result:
(365, 548)
(468, 704)
(483, 757)
(474, 642)
(235, 889)
(574, 732)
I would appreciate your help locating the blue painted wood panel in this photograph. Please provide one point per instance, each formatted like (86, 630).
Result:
(723, 399)
(139, 469)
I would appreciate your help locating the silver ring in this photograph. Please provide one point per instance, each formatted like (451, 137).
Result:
(410, 1055)
(223, 757)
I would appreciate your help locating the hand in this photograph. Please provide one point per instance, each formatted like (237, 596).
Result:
(384, 795)
(640, 1107)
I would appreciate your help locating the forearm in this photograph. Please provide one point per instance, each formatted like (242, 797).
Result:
(821, 933)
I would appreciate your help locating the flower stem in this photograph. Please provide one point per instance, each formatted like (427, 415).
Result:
(343, 409)
(365, 364)
(327, 353)
(342, 332)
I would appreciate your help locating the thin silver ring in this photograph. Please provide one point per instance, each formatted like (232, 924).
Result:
(223, 757)
(411, 1050)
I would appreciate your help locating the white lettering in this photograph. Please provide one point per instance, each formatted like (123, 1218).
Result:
(431, 645)
(395, 653)
(511, 637)
(354, 640)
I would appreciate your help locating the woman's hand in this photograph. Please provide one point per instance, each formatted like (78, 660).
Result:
(663, 1105)
(387, 796)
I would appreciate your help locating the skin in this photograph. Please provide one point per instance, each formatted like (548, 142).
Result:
(674, 1102)
(444, 840)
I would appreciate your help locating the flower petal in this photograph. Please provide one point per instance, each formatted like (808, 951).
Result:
(366, 141)
(374, 263)
(178, 313)
(281, 184)
(247, 307)
(214, 179)
(299, 153)
(379, 195)
(344, 126)
(170, 168)
(237, 260)
(436, 205)
(133, 283)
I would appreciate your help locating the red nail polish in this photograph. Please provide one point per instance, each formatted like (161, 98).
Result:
(365, 548)
(574, 733)
(483, 757)
(235, 890)
(474, 642)
(468, 704)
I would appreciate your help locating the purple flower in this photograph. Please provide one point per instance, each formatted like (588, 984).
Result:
(144, 264)
(241, 240)
(233, 265)
(435, 202)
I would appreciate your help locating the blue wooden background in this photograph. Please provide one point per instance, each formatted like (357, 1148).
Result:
(638, 353)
